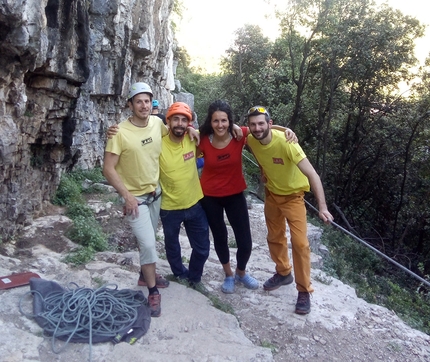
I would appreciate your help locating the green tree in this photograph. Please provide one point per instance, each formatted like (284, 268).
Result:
(244, 69)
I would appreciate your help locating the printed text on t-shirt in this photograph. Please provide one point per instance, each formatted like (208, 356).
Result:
(146, 141)
(223, 157)
(278, 161)
(188, 156)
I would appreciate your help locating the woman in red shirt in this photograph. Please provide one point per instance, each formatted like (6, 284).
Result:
(223, 184)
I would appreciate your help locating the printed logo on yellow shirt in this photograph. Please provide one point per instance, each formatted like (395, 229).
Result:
(188, 156)
(278, 161)
(145, 142)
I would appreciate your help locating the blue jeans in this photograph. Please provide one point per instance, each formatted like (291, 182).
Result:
(197, 229)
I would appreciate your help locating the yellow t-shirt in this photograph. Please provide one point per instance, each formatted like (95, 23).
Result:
(279, 161)
(179, 178)
(139, 150)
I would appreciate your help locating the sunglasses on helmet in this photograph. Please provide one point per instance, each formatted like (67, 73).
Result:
(257, 109)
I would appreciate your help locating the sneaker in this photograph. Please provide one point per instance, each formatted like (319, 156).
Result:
(228, 285)
(277, 280)
(160, 282)
(303, 305)
(154, 304)
(248, 281)
(199, 287)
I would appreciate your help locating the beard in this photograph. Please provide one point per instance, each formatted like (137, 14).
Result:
(178, 131)
(261, 135)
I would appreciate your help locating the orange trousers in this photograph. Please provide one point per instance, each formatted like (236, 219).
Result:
(289, 208)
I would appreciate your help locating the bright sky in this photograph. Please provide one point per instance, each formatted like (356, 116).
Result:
(207, 29)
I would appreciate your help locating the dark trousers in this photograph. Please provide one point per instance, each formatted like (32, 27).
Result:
(236, 210)
(197, 229)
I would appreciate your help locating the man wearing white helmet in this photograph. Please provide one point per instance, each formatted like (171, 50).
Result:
(131, 165)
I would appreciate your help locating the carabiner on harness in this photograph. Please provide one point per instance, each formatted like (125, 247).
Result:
(150, 198)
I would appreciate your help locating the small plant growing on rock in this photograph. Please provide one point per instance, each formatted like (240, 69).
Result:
(68, 192)
(85, 231)
(79, 256)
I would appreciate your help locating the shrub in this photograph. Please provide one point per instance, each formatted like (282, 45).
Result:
(94, 175)
(76, 209)
(80, 256)
(68, 192)
(87, 232)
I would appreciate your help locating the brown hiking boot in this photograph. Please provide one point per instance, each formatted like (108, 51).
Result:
(303, 305)
(154, 304)
(277, 280)
(160, 282)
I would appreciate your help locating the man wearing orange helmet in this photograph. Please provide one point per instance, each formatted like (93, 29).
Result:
(182, 193)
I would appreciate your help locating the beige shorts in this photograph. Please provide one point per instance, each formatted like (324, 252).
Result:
(144, 227)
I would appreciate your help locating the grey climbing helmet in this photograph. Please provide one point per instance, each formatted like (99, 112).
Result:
(139, 87)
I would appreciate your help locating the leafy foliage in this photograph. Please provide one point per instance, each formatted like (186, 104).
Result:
(94, 175)
(80, 256)
(70, 188)
(85, 231)
(76, 209)
(244, 77)
(68, 192)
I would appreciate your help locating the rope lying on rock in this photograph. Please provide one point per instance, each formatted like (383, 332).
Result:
(79, 314)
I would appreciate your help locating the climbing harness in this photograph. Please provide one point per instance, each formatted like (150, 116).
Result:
(149, 198)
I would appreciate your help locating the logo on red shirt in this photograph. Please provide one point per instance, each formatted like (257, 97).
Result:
(223, 157)
(278, 161)
(188, 156)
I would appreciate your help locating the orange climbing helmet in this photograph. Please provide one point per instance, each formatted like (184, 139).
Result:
(180, 108)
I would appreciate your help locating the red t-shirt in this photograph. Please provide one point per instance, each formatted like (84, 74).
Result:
(222, 171)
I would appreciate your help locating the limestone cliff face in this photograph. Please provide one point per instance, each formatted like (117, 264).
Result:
(65, 69)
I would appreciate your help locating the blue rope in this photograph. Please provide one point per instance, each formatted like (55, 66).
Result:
(84, 313)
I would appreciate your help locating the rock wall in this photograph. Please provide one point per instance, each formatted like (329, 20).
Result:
(65, 69)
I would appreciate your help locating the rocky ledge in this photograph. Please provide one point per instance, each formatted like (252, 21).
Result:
(340, 327)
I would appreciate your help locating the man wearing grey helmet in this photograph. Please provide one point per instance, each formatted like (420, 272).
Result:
(131, 166)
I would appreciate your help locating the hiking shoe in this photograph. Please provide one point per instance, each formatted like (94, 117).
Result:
(248, 281)
(277, 280)
(199, 287)
(228, 285)
(303, 305)
(160, 282)
(154, 304)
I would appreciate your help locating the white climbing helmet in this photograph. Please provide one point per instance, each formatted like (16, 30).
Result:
(139, 87)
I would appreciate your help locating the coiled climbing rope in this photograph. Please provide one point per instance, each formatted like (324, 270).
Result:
(78, 314)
